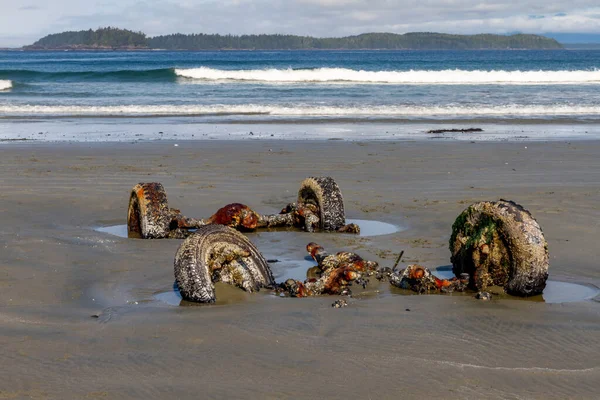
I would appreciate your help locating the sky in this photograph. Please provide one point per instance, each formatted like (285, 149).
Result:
(24, 21)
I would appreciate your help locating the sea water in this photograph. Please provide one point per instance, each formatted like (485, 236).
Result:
(395, 88)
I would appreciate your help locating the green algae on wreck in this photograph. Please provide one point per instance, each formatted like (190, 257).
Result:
(500, 244)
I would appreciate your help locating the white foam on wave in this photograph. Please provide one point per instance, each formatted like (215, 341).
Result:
(5, 85)
(412, 77)
(399, 111)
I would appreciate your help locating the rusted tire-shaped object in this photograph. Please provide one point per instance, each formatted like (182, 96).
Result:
(219, 253)
(500, 244)
(148, 213)
(324, 193)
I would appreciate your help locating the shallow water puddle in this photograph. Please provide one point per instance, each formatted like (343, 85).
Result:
(172, 297)
(555, 291)
(115, 230)
(292, 269)
(367, 228)
(225, 294)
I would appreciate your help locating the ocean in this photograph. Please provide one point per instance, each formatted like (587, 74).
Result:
(385, 93)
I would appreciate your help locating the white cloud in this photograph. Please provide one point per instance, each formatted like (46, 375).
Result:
(23, 23)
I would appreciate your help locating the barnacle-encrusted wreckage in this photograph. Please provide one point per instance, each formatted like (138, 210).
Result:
(499, 243)
(493, 245)
(320, 206)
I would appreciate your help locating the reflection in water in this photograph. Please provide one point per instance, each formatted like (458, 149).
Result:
(292, 269)
(116, 230)
(226, 294)
(375, 228)
(172, 298)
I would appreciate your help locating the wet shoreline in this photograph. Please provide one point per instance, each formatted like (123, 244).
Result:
(68, 307)
(123, 129)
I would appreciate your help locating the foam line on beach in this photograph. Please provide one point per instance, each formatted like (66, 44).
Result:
(412, 77)
(399, 111)
(5, 85)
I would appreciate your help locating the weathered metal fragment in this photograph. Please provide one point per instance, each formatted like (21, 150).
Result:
(500, 244)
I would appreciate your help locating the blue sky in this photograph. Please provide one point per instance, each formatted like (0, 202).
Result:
(24, 21)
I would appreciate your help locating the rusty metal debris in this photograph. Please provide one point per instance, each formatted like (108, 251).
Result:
(334, 274)
(319, 206)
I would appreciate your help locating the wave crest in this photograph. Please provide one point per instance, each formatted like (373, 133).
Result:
(5, 85)
(412, 77)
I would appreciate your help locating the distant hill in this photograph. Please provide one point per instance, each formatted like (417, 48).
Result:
(122, 39)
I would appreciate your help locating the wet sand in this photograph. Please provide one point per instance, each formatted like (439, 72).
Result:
(83, 313)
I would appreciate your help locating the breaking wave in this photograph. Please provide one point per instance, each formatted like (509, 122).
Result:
(412, 77)
(5, 85)
(317, 75)
(503, 111)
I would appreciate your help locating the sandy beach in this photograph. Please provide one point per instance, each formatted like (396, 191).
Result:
(83, 313)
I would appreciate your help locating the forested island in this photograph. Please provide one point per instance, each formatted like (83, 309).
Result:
(101, 39)
(121, 39)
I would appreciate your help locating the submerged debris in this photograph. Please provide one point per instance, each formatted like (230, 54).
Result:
(467, 130)
(319, 207)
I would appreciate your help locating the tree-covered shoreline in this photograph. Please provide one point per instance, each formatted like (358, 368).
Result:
(122, 39)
